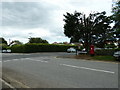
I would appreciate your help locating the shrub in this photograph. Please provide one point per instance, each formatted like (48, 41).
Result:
(32, 48)
(118, 49)
(110, 46)
(3, 46)
(17, 48)
(105, 52)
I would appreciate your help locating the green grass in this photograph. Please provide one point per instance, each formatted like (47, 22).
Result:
(108, 58)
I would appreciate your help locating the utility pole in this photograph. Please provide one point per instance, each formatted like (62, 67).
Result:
(9, 41)
(30, 34)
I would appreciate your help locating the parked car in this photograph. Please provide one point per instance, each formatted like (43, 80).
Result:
(6, 51)
(69, 50)
(117, 55)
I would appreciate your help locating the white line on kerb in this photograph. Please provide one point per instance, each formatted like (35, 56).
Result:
(7, 84)
(88, 68)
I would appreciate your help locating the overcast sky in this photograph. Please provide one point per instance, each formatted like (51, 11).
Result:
(43, 18)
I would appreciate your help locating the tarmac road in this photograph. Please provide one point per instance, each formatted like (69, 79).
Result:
(44, 70)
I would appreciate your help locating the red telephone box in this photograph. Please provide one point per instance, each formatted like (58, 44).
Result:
(92, 50)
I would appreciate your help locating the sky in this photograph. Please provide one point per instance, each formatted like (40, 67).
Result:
(22, 19)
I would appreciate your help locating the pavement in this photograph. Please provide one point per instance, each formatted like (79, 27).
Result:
(44, 70)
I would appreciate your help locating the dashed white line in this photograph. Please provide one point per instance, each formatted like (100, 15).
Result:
(25, 59)
(40, 61)
(6, 60)
(11, 60)
(106, 71)
(88, 68)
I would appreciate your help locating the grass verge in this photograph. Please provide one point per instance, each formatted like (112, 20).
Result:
(106, 58)
(88, 57)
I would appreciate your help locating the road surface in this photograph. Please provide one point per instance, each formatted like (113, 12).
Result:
(44, 70)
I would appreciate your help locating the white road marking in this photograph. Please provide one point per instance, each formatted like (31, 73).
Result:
(11, 60)
(88, 68)
(40, 61)
(7, 84)
(7, 60)
(106, 71)
(15, 59)
(25, 59)
(14, 54)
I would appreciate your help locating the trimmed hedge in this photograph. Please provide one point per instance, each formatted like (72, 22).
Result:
(32, 48)
(17, 48)
(105, 52)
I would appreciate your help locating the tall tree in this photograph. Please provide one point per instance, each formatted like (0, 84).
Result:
(91, 29)
(116, 18)
(37, 40)
(3, 41)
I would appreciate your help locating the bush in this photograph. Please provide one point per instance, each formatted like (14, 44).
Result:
(105, 52)
(118, 49)
(32, 48)
(3, 46)
(17, 48)
(110, 46)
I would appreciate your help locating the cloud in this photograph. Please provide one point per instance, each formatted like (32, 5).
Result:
(43, 18)
(24, 15)
(24, 34)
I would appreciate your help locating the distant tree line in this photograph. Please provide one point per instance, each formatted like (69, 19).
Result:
(37, 40)
(17, 42)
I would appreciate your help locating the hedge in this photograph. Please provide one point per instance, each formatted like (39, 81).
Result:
(17, 48)
(32, 48)
(105, 52)
(3, 46)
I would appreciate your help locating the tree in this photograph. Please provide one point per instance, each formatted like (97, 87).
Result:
(116, 18)
(3, 41)
(37, 40)
(92, 29)
(16, 42)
